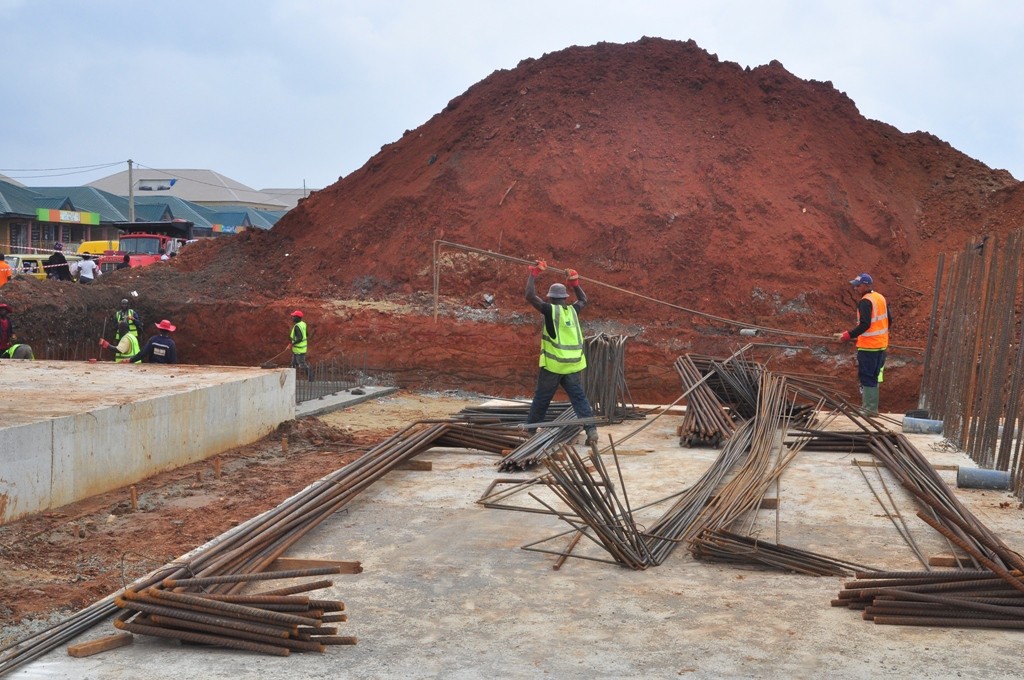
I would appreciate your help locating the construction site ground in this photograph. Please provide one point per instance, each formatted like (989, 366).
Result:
(448, 592)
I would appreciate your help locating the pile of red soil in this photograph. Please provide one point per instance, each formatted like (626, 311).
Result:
(652, 167)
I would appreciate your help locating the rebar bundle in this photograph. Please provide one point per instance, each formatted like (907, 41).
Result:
(962, 598)
(251, 547)
(267, 623)
(720, 545)
(706, 421)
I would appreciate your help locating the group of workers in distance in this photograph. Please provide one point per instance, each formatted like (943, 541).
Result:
(159, 349)
(562, 357)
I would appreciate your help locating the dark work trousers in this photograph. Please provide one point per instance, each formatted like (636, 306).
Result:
(869, 365)
(547, 384)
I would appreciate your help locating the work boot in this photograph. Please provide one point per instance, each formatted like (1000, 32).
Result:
(869, 399)
(591, 437)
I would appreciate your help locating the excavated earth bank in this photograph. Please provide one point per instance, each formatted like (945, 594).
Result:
(652, 167)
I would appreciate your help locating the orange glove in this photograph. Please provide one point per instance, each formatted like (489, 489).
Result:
(104, 344)
(572, 278)
(538, 268)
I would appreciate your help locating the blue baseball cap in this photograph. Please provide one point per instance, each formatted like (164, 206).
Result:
(862, 278)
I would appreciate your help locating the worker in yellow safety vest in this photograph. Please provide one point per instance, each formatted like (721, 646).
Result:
(127, 343)
(561, 348)
(299, 339)
(872, 336)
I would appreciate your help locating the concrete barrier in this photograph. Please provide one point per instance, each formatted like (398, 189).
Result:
(194, 413)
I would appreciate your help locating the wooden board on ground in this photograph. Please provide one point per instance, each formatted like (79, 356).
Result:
(98, 645)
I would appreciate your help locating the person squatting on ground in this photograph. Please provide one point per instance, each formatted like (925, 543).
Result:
(127, 342)
(872, 336)
(130, 317)
(562, 359)
(299, 344)
(160, 349)
(8, 348)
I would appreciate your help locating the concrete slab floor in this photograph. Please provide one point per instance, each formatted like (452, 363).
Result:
(39, 390)
(447, 592)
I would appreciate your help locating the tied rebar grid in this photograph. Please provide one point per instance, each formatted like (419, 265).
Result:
(974, 363)
(329, 377)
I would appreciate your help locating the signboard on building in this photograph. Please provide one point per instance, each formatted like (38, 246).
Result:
(67, 216)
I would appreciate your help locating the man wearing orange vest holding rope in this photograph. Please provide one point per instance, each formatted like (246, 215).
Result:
(872, 336)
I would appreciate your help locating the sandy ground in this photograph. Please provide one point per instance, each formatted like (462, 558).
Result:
(447, 590)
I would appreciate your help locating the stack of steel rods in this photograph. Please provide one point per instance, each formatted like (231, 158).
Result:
(464, 436)
(752, 478)
(253, 546)
(269, 623)
(706, 422)
(585, 486)
(671, 528)
(734, 380)
(505, 413)
(540, 445)
(962, 598)
(724, 546)
(604, 379)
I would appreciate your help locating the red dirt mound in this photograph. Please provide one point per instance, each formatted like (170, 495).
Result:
(652, 167)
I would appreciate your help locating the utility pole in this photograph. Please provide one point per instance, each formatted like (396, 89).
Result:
(131, 194)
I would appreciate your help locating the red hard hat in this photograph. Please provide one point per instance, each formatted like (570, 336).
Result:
(297, 313)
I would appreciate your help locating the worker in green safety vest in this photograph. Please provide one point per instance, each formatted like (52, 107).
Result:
(561, 347)
(299, 342)
(127, 343)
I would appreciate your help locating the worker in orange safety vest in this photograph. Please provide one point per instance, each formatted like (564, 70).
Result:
(872, 336)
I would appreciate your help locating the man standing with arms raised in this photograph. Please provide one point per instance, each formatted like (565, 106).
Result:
(561, 348)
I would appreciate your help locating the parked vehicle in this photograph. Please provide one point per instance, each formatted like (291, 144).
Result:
(32, 265)
(144, 242)
(97, 247)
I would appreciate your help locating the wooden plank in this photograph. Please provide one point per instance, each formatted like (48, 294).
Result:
(947, 560)
(100, 644)
(416, 465)
(290, 563)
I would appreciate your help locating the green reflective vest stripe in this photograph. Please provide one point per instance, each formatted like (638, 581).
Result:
(133, 348)
(563, 354)
(300, 346)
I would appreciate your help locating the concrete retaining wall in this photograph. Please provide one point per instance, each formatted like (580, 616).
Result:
(49, 463)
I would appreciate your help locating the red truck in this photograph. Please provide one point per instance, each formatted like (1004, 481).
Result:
(144, 241)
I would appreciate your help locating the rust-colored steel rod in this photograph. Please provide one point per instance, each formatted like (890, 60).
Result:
(151, 608)
(203, 638)
(237, 578)
(299, 588)
(182, 624)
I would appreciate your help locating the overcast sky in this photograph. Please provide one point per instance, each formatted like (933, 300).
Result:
(286, 93)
